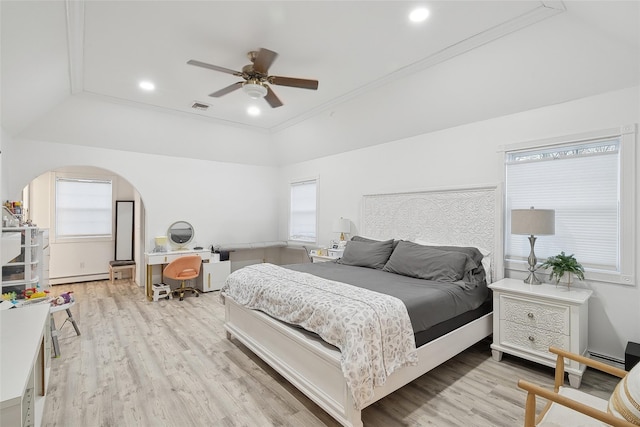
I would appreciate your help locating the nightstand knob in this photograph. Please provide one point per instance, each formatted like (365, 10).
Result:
(530, 315)
(532, 339)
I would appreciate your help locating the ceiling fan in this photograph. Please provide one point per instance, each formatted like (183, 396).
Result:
(256, 78)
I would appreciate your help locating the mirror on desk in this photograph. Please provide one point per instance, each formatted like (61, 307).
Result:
(180, 234)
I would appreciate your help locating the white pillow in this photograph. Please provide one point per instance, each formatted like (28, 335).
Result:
(625, 400)
(486, 256)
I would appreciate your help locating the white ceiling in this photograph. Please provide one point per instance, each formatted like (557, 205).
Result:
(358, 50)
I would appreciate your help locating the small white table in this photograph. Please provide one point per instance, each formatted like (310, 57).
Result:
(528, 319)
(323, 258)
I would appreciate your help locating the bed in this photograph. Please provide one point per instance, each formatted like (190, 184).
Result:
(464, 217)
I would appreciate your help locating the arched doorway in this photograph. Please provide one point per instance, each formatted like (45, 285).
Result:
(82, 259)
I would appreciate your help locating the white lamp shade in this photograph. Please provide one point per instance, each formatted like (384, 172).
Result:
(342, 225)
(533, 221)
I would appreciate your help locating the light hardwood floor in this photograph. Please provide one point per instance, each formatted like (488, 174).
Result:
(168, 363)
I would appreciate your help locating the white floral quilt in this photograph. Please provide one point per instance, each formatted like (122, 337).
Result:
(372, 330)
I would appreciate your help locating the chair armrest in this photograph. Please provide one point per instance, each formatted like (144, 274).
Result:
(589, 362)
(535, 390)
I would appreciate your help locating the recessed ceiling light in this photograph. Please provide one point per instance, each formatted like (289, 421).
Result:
(418, 15)
(253, 111)
(147, 85)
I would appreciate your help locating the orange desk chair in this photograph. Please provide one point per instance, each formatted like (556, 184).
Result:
(183, 269)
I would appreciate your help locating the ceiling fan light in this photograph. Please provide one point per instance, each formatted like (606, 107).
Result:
(254, 90)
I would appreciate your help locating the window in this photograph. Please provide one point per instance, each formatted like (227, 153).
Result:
(302, 217)
(83, 208)
(588, 181)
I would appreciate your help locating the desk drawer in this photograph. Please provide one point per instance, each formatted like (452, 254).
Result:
(533, 340)
(535, 314)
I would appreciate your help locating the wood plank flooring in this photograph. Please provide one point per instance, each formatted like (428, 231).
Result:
(168, 363)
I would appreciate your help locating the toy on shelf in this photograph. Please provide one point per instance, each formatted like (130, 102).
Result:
(34, 293)
(9, 296)
(64, 298)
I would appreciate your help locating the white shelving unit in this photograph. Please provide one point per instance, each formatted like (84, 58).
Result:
(26, 270)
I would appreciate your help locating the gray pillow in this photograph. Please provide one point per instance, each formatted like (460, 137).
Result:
(368, 240)
(367, 254)
(424, 262)
(476, 276)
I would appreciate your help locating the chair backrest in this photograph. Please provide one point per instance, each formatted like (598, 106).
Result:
(183, 268)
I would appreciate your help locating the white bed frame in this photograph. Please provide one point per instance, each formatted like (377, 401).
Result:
(463, 216)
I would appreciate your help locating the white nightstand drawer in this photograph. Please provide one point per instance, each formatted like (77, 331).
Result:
(531, 339)
(550, 317)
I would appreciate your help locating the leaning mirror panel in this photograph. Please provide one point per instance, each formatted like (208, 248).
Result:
(180, 234)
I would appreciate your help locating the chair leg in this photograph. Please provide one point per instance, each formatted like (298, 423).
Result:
(182, 289)
(73, 321)
(54, 337)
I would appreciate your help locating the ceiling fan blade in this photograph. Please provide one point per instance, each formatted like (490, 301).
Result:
(263, 60)
(293, 82)
(272, 99)
(213, 67)
(226, 90)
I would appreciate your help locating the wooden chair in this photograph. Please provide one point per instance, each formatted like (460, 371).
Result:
(184, 268)
(567, 406)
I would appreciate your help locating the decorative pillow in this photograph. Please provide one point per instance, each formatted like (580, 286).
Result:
(425, 262)
(368, 240)
(625, 400)
(480, 256)
(366, 254)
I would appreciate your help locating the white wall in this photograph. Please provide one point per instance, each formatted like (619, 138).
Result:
(225, 202)
(5, 139)
(469, 155)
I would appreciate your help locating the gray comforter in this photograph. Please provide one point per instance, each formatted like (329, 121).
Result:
(428, 303)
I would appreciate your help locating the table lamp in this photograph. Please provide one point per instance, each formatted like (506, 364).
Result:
(533, 222)
(342, 226)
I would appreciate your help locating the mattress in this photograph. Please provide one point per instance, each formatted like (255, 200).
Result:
(434, 308)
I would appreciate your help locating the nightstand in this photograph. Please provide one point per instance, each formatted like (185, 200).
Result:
(528, 319)
(323, 258)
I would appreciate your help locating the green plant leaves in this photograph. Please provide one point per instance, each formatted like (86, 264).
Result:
(561, 264)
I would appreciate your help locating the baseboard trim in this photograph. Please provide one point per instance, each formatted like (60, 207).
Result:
(78, 279)
(607, 359)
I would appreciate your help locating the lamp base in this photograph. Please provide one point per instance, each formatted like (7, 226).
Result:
(532, 279)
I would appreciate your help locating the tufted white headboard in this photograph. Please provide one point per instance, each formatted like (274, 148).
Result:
(459, 216)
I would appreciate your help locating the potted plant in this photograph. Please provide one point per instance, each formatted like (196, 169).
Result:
(561, 264)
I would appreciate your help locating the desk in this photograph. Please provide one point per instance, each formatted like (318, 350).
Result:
(152, 259)
(25, 364)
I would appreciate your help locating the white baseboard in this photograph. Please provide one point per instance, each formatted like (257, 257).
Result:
(77, 279)
(607, 359)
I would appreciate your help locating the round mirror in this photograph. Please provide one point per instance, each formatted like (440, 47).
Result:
(180, 234)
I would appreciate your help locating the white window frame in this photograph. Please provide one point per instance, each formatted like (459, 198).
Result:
(55, 237)
(291, 185)
(627, 194)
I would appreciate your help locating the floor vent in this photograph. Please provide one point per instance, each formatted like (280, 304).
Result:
(200, 106)
(607, 359)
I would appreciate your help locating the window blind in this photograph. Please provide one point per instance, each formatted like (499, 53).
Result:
(83, 208)
(581, 182)
(302, 218)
